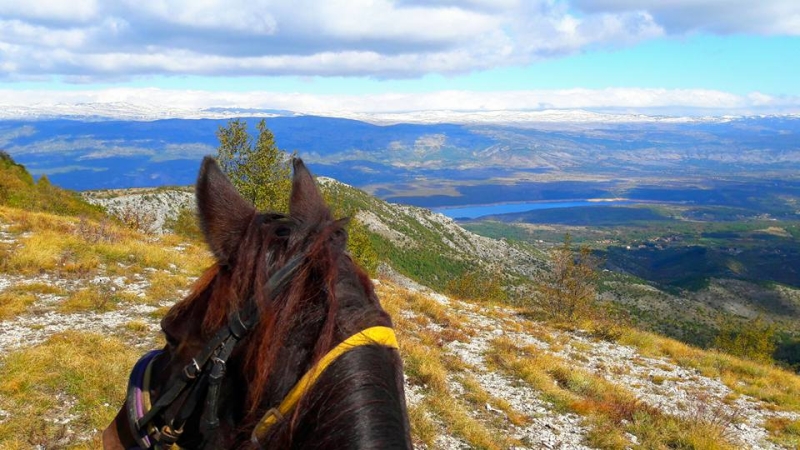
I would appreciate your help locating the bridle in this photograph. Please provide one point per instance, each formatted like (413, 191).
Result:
(207, 370)
(203, 375)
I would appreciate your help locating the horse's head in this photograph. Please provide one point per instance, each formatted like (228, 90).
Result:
(282, 296)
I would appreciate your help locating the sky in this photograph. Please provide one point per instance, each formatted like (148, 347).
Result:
(648, 56)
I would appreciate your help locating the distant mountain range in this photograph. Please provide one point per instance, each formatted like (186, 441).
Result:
(482, 157)
(136, 111)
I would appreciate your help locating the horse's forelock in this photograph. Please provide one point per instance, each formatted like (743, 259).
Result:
(305, 312)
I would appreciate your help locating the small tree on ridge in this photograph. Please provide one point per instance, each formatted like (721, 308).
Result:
(569, 290)
(258, 169)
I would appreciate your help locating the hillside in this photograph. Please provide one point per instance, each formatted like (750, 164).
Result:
(439, 253)
(77, 315)
(148, 210)
(81, 299)
(19, 189)
(431, 247)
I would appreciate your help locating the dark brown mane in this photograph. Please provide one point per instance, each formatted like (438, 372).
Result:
(324, 299)
(310, 304)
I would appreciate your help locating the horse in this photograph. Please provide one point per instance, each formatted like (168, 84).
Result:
(282, 343)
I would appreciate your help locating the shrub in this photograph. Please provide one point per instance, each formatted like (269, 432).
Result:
(360, 246)
(93, 233)
(569, 291)
(478, 285)
(255, 165)
(137, 218)
(185, 224)
(753, 340)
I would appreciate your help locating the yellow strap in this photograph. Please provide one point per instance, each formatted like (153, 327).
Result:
(374, 335)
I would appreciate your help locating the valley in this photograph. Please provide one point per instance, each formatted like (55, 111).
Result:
(703, 212)
(83, 287)
(700, 265)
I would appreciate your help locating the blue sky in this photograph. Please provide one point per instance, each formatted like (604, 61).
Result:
(683, 56)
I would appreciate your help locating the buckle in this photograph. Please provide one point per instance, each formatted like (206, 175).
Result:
(191, 375)
(166, 435)
(218, 371)
(261, 428)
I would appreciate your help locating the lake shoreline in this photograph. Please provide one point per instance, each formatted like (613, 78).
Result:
(482, 210)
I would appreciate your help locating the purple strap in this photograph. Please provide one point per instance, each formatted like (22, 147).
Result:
(136, 382)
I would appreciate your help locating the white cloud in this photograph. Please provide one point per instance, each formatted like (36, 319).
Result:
(715, 16)
(17, 32)
(381, 38)
(236, 15)
(86, 40)
(50, 10)
(631, 100)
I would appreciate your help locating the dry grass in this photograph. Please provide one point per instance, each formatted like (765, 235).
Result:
(434, 310)
(784, 431)
(22, 221)
(96, 298)
(57, 394)
(160, 312)
(426, 365)
(76, 376)
(423, 429)
(165, 286)
(14, 302)
(611, 410)
(773, 385)
(51, 251)
(458, 422)
(424, 368)
(479, 398)
(138, 327)
(40, 288)
(55, 244)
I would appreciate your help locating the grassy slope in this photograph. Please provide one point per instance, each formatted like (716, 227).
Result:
(65, 385)
(472, 368)
(81, 301)
(685, 275)
(18, 189)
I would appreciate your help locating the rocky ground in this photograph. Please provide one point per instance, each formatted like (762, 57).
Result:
(660, 382)
(386, 219)
(148, 208)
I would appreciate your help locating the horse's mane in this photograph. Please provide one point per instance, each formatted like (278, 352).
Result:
(303, 317)
(321, 297)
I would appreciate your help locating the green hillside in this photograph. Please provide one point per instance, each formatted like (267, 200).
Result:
(18, 189)
(429, 247)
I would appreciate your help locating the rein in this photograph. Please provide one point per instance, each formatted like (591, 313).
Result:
(207, 369)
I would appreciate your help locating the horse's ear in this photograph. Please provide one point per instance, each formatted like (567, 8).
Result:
(306, 203)
(224, 214)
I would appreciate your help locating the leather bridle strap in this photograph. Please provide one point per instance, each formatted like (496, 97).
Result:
(214, 354)
(137, 401)
(239, 325)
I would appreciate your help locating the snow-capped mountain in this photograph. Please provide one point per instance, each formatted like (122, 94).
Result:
(125, 111)
(145, 112)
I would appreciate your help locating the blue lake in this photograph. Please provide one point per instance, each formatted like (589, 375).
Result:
(472, 212)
